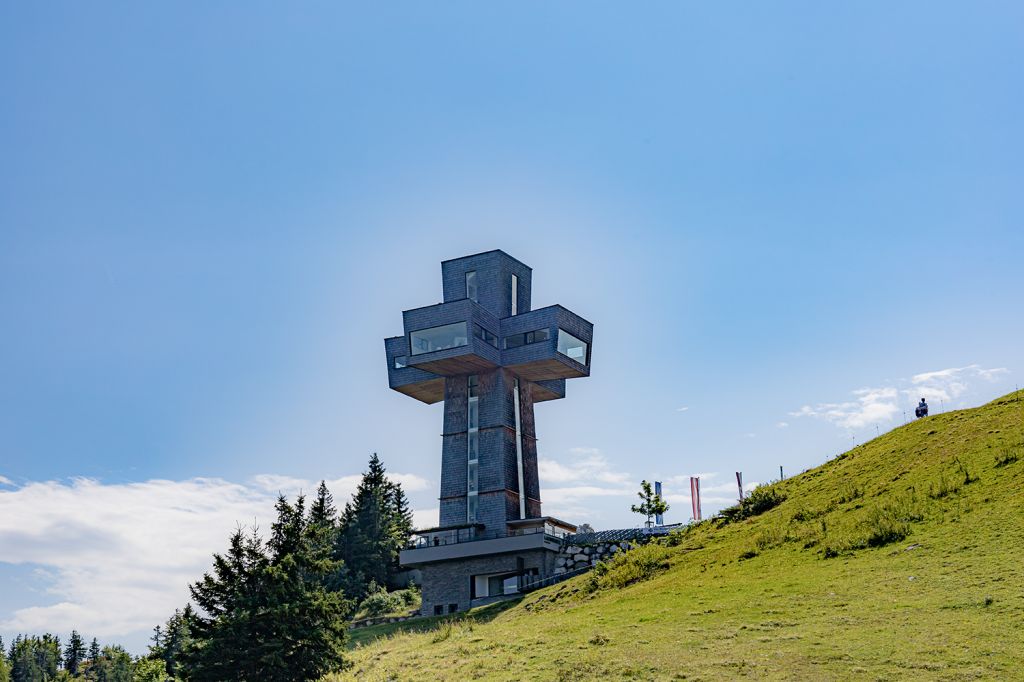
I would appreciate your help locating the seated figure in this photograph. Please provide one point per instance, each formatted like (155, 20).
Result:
(922, 409)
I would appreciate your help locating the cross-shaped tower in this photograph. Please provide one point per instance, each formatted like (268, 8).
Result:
(489, 357)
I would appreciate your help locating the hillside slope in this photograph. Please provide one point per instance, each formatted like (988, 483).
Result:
(901, 559)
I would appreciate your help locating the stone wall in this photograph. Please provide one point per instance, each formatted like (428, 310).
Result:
(573, 557)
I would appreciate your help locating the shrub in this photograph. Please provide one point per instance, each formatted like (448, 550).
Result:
(761, 499)
(626, 568)
(381, 602)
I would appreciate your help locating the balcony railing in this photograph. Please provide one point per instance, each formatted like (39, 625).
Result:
(461, 535)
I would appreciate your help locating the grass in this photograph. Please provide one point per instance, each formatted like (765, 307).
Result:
(900, 559)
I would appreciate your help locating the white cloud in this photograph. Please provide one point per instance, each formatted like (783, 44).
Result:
(950, 383)
(426, 518)
(682, 409)
(119, 557)
(584, 465)
(782, 425)
(871, 406)
(6, 481)
(881, 405)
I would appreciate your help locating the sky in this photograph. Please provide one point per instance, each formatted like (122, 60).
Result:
(788, 221)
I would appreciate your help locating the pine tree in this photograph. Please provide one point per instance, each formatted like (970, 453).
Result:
(34, 658)
(322, 535)
(74, 653)
(266, 614)
(375, 526)
(5, 667)
(170, 642)
(94, 651)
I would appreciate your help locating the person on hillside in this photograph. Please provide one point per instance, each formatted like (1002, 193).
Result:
(922, 409)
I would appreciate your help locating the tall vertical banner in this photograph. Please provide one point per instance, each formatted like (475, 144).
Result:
(739, 483)
(695, 496)
(658, 518)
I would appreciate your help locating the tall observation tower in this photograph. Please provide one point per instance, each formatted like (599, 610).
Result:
(489, 357)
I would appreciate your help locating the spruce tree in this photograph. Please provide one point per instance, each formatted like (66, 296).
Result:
(170, 642)
(74, 653)
(375, 526)
(94, 651)
(265, 613)
(34, 658)
(5, 667)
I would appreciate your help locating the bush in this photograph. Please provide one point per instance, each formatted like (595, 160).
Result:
(625, 568)
(409, 595)
(761, 499)
(883, 525)
(381, 602)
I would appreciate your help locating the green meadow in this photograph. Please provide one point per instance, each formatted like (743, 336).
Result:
(901, 559)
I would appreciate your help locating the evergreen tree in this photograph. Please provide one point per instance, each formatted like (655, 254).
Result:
(170, 642)
(266, 614)
(74, 653)
(375, 526)
(94, 651)
(34, 658)
(5, 667)
(322, 534)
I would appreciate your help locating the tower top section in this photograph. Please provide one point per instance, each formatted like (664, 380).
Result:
(487, 321)
(487, 278)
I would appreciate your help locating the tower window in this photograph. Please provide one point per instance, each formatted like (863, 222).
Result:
(516, 340)
(438, 338)
(570, 346)
(471, 292)
(473, 441)
(515, 295)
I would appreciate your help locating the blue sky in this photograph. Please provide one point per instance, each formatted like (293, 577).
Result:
(790, 219)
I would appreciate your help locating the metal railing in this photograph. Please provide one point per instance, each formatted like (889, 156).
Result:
(455, 537)
(619, 535)
(552, 579)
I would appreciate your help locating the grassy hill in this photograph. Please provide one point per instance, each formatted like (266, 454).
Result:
(900, 559)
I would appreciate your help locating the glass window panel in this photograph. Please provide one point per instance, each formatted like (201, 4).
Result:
(572, 347)
(399, 361)
(471, 285)
(473, 384)
(471, 508)
(510, 585)
(516, 340)
(481, 333)
(474, 412)
(472, 476)
(474, 444)
(515, 295)
(438, 338)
